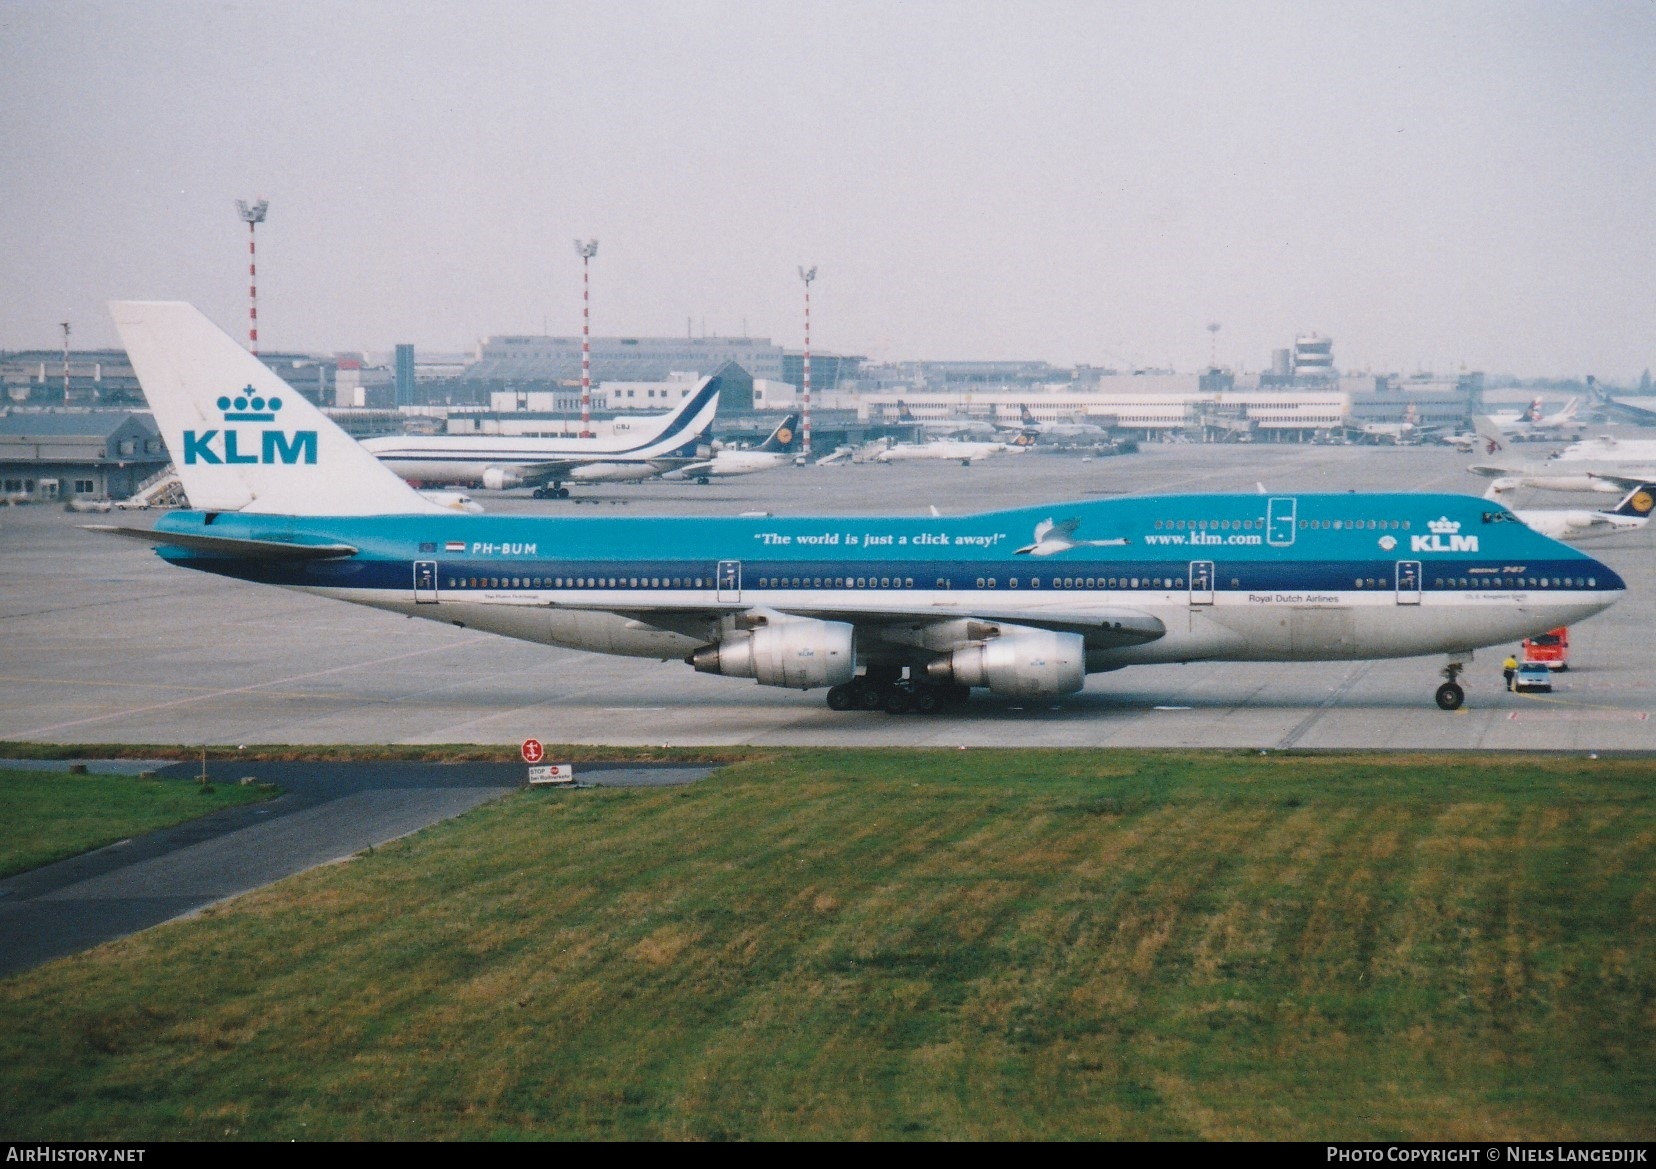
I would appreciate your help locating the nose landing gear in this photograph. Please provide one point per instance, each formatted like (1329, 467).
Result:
(1450, 696)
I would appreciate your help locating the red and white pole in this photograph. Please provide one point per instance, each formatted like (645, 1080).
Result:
(252, 290)
(586, 251)
(252, 214)
(807, 275)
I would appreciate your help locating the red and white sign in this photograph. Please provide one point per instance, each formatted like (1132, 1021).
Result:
(557, 773)
(533, 752)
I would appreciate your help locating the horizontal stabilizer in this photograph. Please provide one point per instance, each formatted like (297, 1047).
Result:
(230, 545)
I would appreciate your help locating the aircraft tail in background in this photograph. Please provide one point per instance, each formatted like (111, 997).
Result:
(1493, 441)
(241, 438)
(784, 438)
(1638, 503)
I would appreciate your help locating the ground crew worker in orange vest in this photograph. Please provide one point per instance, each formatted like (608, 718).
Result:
(1509, 670)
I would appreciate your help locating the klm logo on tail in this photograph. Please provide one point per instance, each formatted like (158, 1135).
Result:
(238, 446)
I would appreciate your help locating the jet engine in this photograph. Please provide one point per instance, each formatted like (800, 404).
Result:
(801, 653)
(1020, 663)
(501, 478)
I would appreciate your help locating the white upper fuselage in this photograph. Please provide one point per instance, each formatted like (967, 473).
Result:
(960, 452)
(646, 448)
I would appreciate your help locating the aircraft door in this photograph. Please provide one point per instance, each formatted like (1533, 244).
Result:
(1201, 582)
(730, 581)
(425, 582)
(1279, 521)
(1408, 582)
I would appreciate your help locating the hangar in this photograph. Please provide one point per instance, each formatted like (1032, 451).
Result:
(78, 454)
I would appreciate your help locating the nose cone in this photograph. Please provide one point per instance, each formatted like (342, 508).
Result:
(1606, 579)
(1606, 584)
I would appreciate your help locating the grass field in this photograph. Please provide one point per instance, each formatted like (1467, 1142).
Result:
(48, 815)
(909, 944)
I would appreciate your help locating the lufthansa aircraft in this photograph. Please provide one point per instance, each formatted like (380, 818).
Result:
(663, 443)
(777, 450)
(893, 612)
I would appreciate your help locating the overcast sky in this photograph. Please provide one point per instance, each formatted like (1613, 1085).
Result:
(1433, 184)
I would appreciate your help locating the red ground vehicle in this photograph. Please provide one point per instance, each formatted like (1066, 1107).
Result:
(1551, 649)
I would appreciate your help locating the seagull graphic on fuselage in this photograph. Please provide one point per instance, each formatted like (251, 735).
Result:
(1052, 538)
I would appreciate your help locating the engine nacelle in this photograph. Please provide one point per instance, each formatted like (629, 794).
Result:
(1020, 663)
(800, 654)
(501, 478)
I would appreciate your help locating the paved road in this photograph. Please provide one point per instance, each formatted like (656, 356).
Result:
(327, 811)
(105, 643)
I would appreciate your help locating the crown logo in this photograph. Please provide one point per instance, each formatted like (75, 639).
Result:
(1444, 526)
(248, 406)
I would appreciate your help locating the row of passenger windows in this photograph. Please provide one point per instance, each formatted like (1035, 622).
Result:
(983, 582)
(797, 582)
(1259, 525)
(1205, 525)
(578, 582)
(991, 582)
(1355, 525)
(1516, 582)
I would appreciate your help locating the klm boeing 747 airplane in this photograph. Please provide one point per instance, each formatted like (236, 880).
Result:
(897, 613)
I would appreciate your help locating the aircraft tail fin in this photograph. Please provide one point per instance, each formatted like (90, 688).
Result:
(241, 438)
(785, 437)
(1638, 503)
(1494, 442)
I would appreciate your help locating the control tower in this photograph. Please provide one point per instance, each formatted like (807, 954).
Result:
(1313, 356)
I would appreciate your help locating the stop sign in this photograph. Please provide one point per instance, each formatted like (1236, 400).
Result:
(533, 752)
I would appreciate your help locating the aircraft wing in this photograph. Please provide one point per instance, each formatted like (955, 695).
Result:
(1626, 477)
(1103, 628)
(1109, 628)
(535, 474)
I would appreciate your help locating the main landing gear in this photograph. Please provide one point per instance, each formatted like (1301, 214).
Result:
(1450, 696)
(553, 491)
(895, 694)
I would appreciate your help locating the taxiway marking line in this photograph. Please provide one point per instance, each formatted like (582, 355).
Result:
(241, 689)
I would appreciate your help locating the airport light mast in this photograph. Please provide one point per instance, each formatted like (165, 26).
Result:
(807, 275)
(252, 214)
(65, 327)
(586, 250)
(1213, 345)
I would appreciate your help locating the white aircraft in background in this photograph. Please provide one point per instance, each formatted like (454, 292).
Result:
(1576, 525)
(1607, 446)
(1516, 425)
(1586, 470)
(1510, 421)
(1560, 425)
(1396, 433)
(1058, 433)
(776, 451)
(846, 453)
(964, 453)
(946, 427)
(651, 446)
